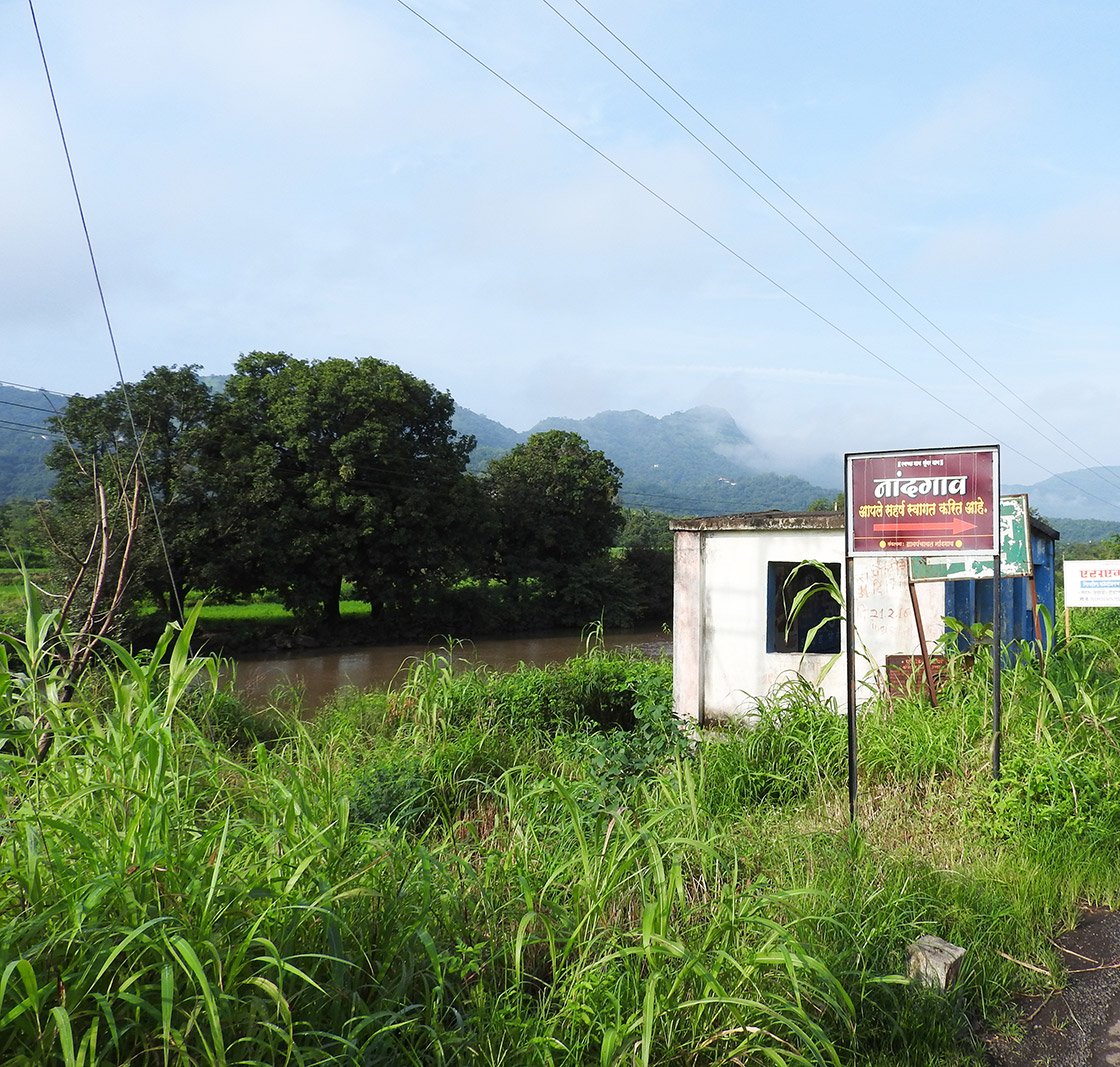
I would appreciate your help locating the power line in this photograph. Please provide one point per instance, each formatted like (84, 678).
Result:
(105, 310)
(855, 255)
(1113, 485)
(820, 316)
(36, 389)
(39, 431)
(26, 407)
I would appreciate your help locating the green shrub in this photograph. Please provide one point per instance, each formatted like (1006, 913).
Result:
(794, 744)
(399, 793)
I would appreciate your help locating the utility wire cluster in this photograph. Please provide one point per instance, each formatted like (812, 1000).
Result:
(1109, 479)
(1015, 405)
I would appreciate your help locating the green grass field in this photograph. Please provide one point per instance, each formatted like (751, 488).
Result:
(12, 605)
(266, 612)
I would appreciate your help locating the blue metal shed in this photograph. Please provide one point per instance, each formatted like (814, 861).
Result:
(970, 602)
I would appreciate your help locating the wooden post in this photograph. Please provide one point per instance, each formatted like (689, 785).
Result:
(1034, 613)
(928, 667)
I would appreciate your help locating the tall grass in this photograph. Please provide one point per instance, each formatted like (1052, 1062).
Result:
(162, 901)
(537, 867)
(167, 899)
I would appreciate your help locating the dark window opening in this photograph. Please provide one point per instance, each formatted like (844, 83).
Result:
(784, 581)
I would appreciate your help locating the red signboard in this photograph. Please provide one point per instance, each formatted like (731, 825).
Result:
(943, 502)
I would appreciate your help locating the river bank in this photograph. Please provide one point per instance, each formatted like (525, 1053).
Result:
(318, 673)
(479, 611)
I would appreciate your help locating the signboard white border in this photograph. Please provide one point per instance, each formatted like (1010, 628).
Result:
(970, 550)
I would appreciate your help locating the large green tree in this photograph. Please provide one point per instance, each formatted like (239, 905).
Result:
(321, 472)
(646, 529)
(102, 448)
(554, 502)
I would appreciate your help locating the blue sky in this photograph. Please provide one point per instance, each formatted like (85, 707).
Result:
(335, 179)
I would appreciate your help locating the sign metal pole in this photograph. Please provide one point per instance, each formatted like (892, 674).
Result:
(850, 650)
(997, 665)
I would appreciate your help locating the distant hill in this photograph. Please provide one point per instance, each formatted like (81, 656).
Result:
(702, 443)
(1084, 531)
(700, 462)
(491, 438)
(216, 383)
(1089, 493)
(24, 443)
(694, 462)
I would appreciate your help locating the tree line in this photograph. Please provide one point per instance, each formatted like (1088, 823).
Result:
(305, 477)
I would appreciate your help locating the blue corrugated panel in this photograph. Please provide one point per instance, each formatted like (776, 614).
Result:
(971, 602)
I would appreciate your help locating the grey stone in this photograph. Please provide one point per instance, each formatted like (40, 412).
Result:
(934, 962)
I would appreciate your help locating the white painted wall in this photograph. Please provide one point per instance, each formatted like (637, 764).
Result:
(719, 633)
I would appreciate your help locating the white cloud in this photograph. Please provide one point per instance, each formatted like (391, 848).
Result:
(333, 178)
(1083, 231)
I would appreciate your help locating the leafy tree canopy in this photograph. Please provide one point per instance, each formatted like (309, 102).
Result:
(101, 444)
(333, 470)
(554, 499)
(644, 528)
(824, 503)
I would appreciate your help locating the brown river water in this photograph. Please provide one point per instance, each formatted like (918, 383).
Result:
(319, 673)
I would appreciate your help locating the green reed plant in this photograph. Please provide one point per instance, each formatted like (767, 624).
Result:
(162, 901)
(438, 691)
(793, 745)
(905, 739)
(529, 868)
(619, 939)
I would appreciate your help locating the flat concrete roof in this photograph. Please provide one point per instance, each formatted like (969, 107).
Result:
(798, 520)
(765, 520)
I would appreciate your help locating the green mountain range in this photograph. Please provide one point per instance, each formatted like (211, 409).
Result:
(1089, 493)
(694, 462)
(24, 442)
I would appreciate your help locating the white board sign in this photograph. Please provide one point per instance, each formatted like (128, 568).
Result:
(1092, 583)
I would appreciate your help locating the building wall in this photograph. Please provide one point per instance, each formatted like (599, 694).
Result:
(688, 624)
(721, 662)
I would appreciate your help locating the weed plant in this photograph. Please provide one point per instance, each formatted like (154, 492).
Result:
(537, 867)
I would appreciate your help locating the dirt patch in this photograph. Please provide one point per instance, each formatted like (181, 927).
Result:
(1079, 1025)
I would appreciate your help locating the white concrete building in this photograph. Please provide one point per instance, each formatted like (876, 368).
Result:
(731, 600)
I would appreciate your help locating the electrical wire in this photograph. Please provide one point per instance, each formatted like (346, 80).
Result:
(105, 311)
(25, 407)
(39, 431)
(1112, 485)
(847, 248)
(820, 316)
(36, 389)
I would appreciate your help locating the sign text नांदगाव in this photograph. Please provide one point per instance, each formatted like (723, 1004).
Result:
(930, 502)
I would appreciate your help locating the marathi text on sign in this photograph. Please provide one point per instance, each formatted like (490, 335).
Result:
(1092, 583)
(912, 487)
(916, 503)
